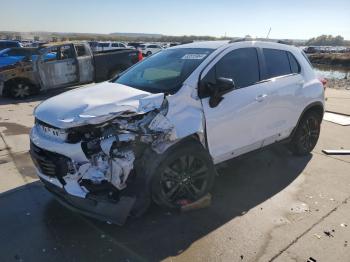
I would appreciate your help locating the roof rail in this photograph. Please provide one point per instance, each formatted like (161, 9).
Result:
(260, 39)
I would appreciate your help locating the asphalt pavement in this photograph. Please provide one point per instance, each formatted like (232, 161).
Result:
(268, 206)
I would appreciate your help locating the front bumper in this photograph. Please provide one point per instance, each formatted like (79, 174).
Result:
(51, 169)
(115, 212)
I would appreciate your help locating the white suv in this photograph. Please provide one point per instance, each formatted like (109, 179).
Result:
(157, 131)
(149, 49)
(106, 46)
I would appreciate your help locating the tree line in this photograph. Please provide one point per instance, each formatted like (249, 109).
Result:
(327, 40)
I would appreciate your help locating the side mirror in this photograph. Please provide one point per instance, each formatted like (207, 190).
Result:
(223, 85)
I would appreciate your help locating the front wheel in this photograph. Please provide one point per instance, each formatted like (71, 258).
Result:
(306, 135)
(185, 173)
(149, 53)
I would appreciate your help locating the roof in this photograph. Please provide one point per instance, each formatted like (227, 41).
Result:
(247, 42)
(203, 44)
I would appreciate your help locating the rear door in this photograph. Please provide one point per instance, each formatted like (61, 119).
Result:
(235, 125)
(58, 67)
(283, 80)
(85, 63)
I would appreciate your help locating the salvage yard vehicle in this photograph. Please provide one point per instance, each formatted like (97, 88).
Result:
(63, 65)
(105, 46)
(149, 49)
(157, 130)
(9, 43)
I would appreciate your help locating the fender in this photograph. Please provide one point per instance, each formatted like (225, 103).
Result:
(317, 105)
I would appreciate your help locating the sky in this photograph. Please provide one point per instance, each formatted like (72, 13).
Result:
(296, 19)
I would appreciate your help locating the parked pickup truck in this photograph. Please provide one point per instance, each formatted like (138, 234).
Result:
(62, 65)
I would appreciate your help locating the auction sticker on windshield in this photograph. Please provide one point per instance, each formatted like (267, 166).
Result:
(194, 56)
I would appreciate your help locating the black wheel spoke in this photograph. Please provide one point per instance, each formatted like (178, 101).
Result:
(199, 171)
(170, 173)
(195, 189)
(172, 191)
(184, 178)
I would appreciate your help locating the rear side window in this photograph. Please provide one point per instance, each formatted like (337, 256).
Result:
(294, 65)
(277, 62)
(103, 45)
(241, 65)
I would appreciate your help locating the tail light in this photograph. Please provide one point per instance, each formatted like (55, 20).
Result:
(139, 56)
(323, 81)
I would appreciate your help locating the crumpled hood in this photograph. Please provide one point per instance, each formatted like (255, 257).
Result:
(95, 104)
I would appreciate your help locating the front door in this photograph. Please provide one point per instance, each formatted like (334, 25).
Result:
(58, 67)
(235, 126)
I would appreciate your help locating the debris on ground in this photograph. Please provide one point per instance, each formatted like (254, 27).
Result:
(318, 236)
(328, 233)
(200, 203)
(339, 119)
(343, 225)
(311, 259)
(336, 152)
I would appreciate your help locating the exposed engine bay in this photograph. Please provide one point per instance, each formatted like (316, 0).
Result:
(113, 146)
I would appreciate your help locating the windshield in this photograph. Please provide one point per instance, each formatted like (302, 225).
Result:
(165, 71)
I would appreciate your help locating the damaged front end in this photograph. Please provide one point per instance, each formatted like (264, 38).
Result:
(108, 180)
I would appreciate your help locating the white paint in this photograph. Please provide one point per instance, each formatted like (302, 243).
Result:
(95, 104)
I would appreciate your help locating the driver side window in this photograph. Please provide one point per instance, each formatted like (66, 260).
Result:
(240, 65)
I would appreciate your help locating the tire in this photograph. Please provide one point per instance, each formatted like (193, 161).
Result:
(306, 135)
(148, 53)
(185, 172)
(20, 89)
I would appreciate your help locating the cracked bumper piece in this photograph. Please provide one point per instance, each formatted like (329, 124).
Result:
(131, 201)
(115, 212)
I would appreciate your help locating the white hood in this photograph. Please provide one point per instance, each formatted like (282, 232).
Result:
(95, 104)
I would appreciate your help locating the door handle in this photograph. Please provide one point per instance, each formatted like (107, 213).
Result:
(261, 97)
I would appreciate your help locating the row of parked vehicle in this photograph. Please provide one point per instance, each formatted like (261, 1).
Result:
(146, 48)
(326, 49)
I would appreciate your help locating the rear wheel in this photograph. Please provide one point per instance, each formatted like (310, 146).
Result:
(149, 53)
(185, 173)
(306, 135)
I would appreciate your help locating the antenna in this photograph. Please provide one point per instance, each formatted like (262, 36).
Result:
(267, 37)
